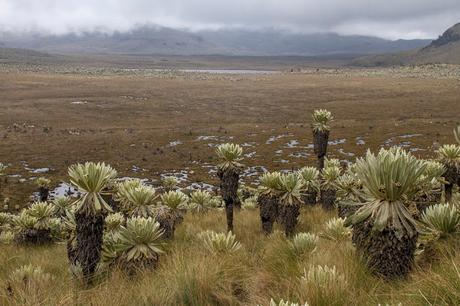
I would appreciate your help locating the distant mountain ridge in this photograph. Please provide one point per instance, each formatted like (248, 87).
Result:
(444, 50)
(449, 36)
(161, 40)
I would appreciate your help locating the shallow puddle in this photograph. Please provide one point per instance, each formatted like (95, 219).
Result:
(181, 175)
(336, 142)
(292, 144)
(299, 154)
(174, 143)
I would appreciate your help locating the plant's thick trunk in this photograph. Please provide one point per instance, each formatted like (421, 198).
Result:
(34, 236)
(229, 215)
(108, 198)
(320, 140)
(229, 180)
(3, 181)
(89, 235)
(309, 197)
(448, 191)
(288, 216)
(425, 201)
(385, 254)
(321, 162)
(268, 212)
(244, 195)
(167, 220)
(328, 197)
(451, 176)
(458, 177)
(43, 194)
(344, 210)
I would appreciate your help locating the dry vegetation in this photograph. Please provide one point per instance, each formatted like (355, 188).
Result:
(150, 124)
(264, 268)
(145, 125)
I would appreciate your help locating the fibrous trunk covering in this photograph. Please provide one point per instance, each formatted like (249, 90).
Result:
(167, 220)
(89, 232)
(328, 198)
(268, 212)
(309, 198)
(458, 176)
(385, 254)
(34, 236)
(451, 176)
(288, 217)
(425, 201)
(43, 194)
(345, 209)
(229, 190)
(320, 139)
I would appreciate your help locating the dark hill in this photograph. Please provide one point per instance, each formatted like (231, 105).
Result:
(444, 50)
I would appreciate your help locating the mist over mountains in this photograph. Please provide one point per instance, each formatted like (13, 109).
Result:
(444, 50)
(162, 40)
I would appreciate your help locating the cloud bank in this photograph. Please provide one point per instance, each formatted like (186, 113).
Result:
(391, 19)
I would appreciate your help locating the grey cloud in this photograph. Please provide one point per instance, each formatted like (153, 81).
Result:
(383, 18)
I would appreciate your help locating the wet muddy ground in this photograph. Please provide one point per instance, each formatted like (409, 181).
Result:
(150, 127)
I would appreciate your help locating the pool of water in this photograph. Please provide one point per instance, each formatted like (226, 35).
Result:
(220, 71)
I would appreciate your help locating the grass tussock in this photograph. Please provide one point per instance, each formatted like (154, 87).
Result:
(261, 269)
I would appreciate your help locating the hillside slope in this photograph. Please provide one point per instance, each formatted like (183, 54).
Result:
(444, 50)
(15, 55)
(160, 40)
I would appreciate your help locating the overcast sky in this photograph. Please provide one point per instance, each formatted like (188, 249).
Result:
(384, 18)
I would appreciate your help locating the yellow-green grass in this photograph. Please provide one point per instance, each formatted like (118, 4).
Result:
(264, 268)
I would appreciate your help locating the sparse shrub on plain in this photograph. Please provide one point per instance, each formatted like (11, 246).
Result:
(290, 199)
(329, 176)
(303, 243)
(137, 245)
(285, 303)
(336, 230)
(457, 133)
(43, 212)
(429, 185)
(27, 285)
(200, 201)
(114, 222)
(175, 200)
(229, 170)
(61, 206)
(324, 285)
(136, 199)
(2, 168)
(310, 176)
(321, 129)
(33, 225)
(449, 156)
(332, 162)
(43, 188)
(6, 237)
(5, 221)
(91, 179)
(389, 179)
(444, 219)
(250, 203)
(169, 183)
(220, 243)
(268, 200)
